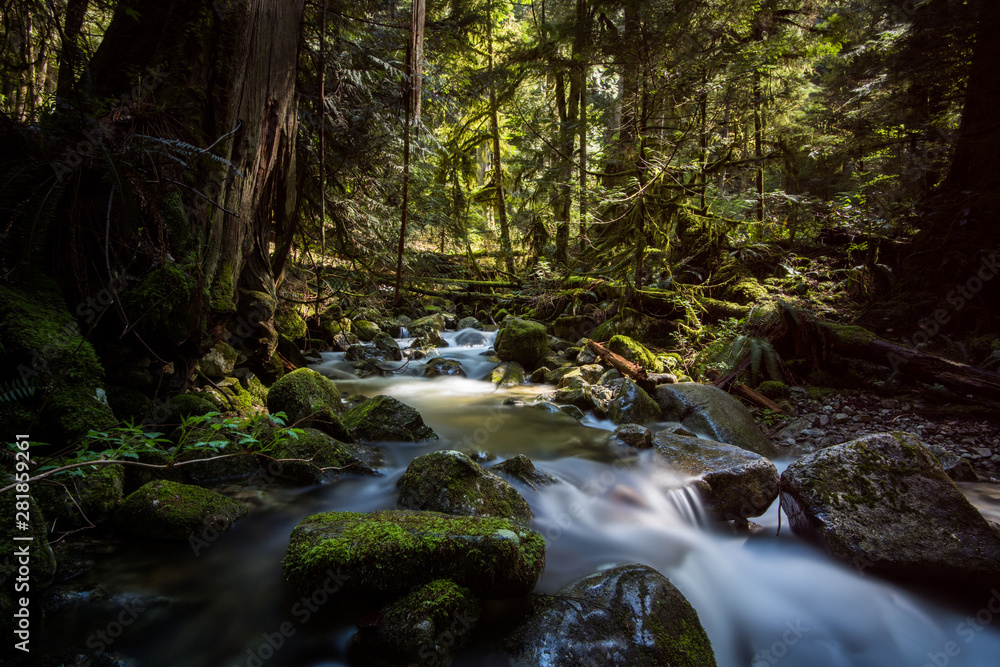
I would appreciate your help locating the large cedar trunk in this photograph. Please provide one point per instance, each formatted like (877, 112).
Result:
(230, 74)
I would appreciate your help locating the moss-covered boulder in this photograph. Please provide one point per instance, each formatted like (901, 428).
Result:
(182, 406)
(129, 404)
(628, 615)
(451, 482)
(632, 405)
(709, 411)
(89, 496)
(289, 322)
(77, 410)
(219, 361)
(523, 470)
(365, 330)
(426, 627)
(434, 322)
(172, 511)
(470, 323)
(398, 550)
(734, 483)
(627, 322)
(522, 341)
(774, 389)
(319, 458)
(383, 418)
(309, 399)
(635, 352)
(388, 346)
(506, 374)
(881, 503)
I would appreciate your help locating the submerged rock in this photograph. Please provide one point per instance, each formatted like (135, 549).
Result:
(172, 511)
(397, 550)
(440, 366)
(883, 503)
(630, 615)
(733, 482)
(383, 418)
(451, 482)
(426, 627)
(470, 339)
(522, 341)
(632, 405)
(506, 374)
(523, 470)
(708, 410)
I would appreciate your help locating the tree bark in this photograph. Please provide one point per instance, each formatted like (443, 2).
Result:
(231, 73)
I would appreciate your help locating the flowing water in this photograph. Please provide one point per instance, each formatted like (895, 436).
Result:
(763, 600)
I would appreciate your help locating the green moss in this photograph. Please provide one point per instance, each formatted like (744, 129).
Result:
(43, 562)
(76, 410)
(318, 451)
(289, 322)
(182, 406)
(90, 495)
(523, 341)
(397, 550)
(223, 298)
(128, 404)
(169, 510)
(161, 303)
(366, 331)
(774, 389)
(507, 374)
(635, 352)
(308, 398)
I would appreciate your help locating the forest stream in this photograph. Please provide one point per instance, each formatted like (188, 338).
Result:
(763, 599)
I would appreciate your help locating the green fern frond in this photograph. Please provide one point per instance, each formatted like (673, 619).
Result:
(16, 390)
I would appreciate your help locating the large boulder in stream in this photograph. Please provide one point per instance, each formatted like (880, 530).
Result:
(425, 627)
(314, 457)
(451, 482)
(506, 374)
(629, 615)
(712, 412)
(308, 398)
(388, 346)
(172, 511)
(471, 339)
(383, 418)
(632, 405)
(522, 341)
(733, 482)
(882, 503)
(440, 366)
(397, 550)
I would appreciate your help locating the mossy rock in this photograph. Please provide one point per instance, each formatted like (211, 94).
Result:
(223, 463)
(387, 345)
(323, 458)
(440, 366)
(450, 482)
(163, 297)
(733, 482)
(745, 290)
(172, 511)
(183, 406)
(470, 323)
(96, 492)
(129, 404)
(289, 322)
(522, 341)
(426, 627)
(383, 418)
(774, 390)
(627, 322)
(365, 330)
(434, 322)
(632, 405)
(635, 352)
(228, 395)
(506, 374)
(882, 503)
(398, 550)
(75, 411)
(523, 470)
(43, 561)
(597, 620)
(309, 398)
(219, 361)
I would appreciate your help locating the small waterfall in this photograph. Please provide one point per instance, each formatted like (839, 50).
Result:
(404, 332)
(688, 504)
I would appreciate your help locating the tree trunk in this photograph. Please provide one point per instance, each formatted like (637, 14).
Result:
(231, 75)
(501, 198)
(69, 55)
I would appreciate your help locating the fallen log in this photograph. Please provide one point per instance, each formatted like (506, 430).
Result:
(632, 371)
(812, 337)
(754, 397)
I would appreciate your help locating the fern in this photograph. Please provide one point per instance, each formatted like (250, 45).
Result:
(17, 390)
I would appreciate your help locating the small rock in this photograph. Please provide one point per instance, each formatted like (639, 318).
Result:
(840, 417)
(634, 435)
(824, 420)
